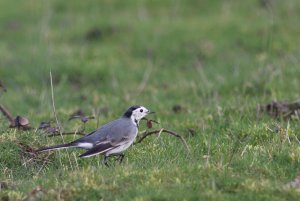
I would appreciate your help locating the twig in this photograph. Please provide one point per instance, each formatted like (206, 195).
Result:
(43, 165)
(162, 130)
(66, 133)
(297, 139)
(7, 114)
(54, 110)
(76, 132)
(57, 122)
(146, 119)
(287, 132)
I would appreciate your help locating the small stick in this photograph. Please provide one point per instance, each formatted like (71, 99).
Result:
(76, 132)
(7, 114)
(287, 132)
(65, 133)
(297, 139)
(57, 122)
(54, 109)
(163, 130)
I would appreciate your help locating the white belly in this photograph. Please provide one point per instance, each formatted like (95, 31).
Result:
(120, 148)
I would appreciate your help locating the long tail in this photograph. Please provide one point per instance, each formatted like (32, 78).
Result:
(56, 147)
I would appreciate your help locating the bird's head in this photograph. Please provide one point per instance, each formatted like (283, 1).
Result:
(136, 113)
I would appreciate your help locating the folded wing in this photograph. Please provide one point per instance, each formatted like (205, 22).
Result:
(98, 149)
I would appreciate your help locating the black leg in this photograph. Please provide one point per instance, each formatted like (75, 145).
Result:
(121, 157)
(105, 161)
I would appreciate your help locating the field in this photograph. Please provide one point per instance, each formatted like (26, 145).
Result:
(203, 66)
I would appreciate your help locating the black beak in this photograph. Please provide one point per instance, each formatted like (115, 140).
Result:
(151, 112)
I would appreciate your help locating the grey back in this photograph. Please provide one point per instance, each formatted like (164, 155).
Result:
(114, 132)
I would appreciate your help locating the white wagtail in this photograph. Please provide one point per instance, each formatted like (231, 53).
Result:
(112, 139)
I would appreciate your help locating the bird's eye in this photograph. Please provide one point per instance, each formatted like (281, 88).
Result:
(141, 110)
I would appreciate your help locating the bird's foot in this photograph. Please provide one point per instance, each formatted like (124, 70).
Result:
(105, 161)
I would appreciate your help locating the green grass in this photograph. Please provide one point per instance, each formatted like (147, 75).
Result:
(217, 59)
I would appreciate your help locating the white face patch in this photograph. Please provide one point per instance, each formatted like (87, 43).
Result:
(138, 114)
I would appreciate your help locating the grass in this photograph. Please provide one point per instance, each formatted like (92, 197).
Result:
(216, 59)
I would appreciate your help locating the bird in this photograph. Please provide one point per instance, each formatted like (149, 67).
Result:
(112, 139)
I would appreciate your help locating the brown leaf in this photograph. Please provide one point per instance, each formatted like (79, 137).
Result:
(281, 109)
(44, 125)
(52, 130)
(149, 124)
(21, 123)
(47, 127)
(79, 114)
